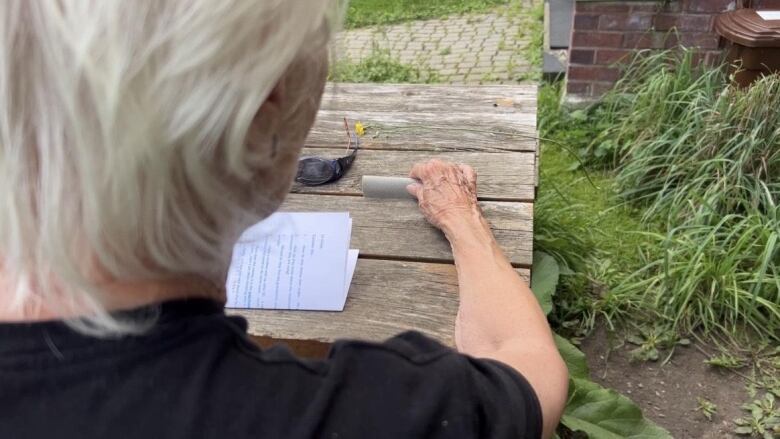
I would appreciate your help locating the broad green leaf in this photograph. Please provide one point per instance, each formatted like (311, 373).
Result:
(544, 279)
(604, 414)
(573, 357)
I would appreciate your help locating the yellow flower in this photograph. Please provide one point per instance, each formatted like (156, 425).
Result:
(359, 129)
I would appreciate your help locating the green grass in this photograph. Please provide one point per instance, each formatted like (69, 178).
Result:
(579, 220)
(380, 66)
(702, 159)
(586, 230)
(362, 13)
(532, 29)
(716, 275)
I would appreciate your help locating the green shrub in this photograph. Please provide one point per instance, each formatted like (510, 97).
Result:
(652, 102)
(580, 221)
(715, 275)
(703, 158)
(689, 140)
(572, 130)
(380, 66)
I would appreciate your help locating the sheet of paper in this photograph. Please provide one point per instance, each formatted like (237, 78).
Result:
(293, 261)
(769, 15)
(352, 258)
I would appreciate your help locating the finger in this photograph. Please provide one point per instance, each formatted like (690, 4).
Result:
(414, 189)
(469, 173)
(421, 171)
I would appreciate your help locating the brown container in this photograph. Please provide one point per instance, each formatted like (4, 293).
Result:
(751, 44)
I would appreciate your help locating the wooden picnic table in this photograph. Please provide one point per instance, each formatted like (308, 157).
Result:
(405, 277)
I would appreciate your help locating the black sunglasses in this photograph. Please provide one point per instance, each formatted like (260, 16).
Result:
(316, 171)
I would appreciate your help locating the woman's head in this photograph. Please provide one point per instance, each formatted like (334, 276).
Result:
(138, 138)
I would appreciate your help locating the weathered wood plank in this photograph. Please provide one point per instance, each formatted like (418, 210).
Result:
(526, 91)
(385, 298)
(505, 177)
(427, 98)
(466, 136)
(395, 229)
(518, 123)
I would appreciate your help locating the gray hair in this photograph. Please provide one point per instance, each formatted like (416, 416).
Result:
(123, 130)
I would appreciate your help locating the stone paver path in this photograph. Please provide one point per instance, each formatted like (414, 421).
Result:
(470, 49)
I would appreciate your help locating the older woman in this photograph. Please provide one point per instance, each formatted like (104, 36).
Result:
(137, 140)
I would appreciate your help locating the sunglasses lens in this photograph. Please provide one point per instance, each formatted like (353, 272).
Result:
(314, 170)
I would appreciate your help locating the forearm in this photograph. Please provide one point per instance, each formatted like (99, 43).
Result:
(499, 317)
(496, 305)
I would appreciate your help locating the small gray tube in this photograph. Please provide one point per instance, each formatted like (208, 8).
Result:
(386, 187)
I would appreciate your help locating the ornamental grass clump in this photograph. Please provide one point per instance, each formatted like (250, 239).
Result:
(717, 156)
(702, 157)
(715, 274)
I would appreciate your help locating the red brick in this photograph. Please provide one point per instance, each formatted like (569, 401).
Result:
(698, 58)
(585, 21)
(702, 40)
(612, 56)
(683, 22)
(581, 56)
(593, 73)
(649, 40)
(625, 22)
(652, 7)
(665, 22)
(599, 88)
(647, 7)
(596, 39)
(602, 7)
(708, 57)
(709, 5)
(578, 88)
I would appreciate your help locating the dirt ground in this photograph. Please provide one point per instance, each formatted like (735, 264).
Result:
(668, 394)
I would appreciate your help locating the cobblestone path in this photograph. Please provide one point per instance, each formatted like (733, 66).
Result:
(469, 49)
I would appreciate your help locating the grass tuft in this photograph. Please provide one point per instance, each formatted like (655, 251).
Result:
(362, 13)
(380, 66)
(701, 157)
(579, 220)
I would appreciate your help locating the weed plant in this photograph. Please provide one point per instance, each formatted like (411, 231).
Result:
(703, 157)
(380, 66)
(580, 221)
(717, 274)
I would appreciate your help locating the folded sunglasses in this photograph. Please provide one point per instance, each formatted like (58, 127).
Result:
(316, 171)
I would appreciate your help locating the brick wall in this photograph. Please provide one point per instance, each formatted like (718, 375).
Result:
(605, 33)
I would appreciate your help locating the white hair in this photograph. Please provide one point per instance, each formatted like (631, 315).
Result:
(122, 131)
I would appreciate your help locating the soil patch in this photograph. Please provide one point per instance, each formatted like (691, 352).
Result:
(668, 394)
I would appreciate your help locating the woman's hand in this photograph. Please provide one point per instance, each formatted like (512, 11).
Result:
(446, 192)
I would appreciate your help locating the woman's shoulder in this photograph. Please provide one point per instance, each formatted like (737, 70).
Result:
(410, 384)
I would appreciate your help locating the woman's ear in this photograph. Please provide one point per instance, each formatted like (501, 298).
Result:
(279, 92)
(267, 122)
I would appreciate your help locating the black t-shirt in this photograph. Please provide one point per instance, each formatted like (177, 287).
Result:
(195, 374)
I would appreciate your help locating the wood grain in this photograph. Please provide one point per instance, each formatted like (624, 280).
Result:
(430, 98)
(503, 177)
(430, 118)
(395, 229)
(429, 131)
(405, 278)
(386, 297)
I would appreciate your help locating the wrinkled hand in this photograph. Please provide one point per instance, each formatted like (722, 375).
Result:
(446, 192)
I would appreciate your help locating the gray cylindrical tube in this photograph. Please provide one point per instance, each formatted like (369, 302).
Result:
(386, 187)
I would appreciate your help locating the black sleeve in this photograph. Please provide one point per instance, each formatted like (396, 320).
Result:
(426, 382)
